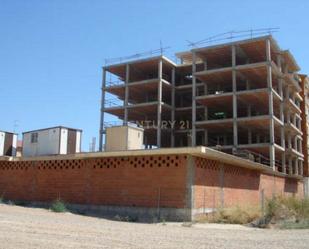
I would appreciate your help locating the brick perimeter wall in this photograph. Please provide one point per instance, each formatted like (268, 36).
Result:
(128, 181)
(218, 184)
(143, 181)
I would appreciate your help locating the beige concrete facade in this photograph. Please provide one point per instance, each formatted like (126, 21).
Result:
(121, 138)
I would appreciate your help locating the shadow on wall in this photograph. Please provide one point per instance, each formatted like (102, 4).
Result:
(290, 185)
(211, 173)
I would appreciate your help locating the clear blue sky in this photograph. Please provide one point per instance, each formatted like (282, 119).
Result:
(51, 51)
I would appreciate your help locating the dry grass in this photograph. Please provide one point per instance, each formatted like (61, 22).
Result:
(280, 212)
(288, 212)
(233, 215)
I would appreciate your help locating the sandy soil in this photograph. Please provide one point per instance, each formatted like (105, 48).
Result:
(22, 227)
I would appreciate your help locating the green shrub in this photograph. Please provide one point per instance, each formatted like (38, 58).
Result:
(1, 199)
(272, 207)
(58, 206)
(9, 202)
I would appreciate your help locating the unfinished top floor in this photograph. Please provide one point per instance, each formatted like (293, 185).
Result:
(227, 55)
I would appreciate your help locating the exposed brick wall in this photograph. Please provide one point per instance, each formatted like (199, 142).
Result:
(207, 183)
(128, 181)
(218, 184)
(145, 181)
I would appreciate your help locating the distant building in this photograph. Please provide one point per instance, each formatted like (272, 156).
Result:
(52, 141)
(8, 143)
(19, 149)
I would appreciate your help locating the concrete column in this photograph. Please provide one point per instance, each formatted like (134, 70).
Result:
(205, 64)
(283, 146)
(283, 163)
(294, 119)
(290, 166)
(288, 117)
(102, 110)
(289, 141)
(249, 136)
(224, 139)
(206, 108)
(295, 143)
(206, 116)
(193, 131)
(301, 168)
(206, 113)
(279, 62)
(258, 138)
(247, 84)
(280, 88)
(282, 136)
(205, 89)
(234, 74)
(282, 120)
(173, 109)
(126, 97)
(287, 93)
(282, 129)
(296, 166)
(271, 107)
(146, 142)
(285, 70)
(159, 107)
(298, 122)
(206, 137)
(249, 110)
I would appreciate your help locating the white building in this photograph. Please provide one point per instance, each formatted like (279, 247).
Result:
(8, 143)
(52, 141)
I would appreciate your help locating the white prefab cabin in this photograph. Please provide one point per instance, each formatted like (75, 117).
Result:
(8, 143)
(52, 141)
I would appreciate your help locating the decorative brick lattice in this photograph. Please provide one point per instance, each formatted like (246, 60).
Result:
(206, 163)
(146, 181)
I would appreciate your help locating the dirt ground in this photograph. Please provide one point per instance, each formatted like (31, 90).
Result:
(22, 227)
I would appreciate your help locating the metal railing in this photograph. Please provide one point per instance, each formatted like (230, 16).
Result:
(113, 103)
(158, 51)
(112, 123)
(256, 157)
(112, 83)
(234, 35)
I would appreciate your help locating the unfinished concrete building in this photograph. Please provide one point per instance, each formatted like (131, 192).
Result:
(239, 97)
